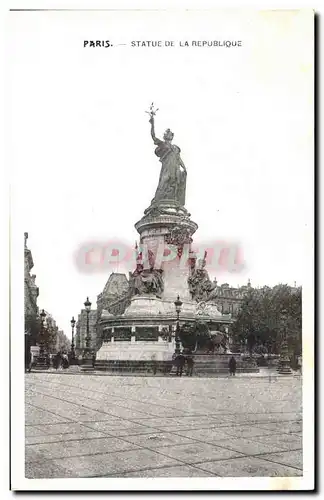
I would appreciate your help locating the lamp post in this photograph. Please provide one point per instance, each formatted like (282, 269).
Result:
(87, 306)
(72, 356)
(87, 360)
(178, 305)
(41, 340)
(284, 361)
(41, 363)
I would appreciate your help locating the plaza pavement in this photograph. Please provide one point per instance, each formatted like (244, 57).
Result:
(81, 425)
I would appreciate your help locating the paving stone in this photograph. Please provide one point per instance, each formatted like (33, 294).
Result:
(53, 438)
(130, 431)
(180, 471)
(158, 440)
(290, 458)
(183, 426)
(283, 427)
(245, 446)
(110, 463)
(31, 430)
(66, 428)
(205, 435)
(198, 452)
(248, 466)
(264, 417)
(34, 416)
(124, 427)
(283, 441)
(186, 421)
(125, 413)
(246, 431)
(39, 452)
(44, 470)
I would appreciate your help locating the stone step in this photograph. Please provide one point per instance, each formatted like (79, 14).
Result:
(165, 367)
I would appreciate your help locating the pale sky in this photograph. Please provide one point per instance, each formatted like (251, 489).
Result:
(83, 163)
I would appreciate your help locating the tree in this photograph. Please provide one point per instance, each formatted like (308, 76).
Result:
(32, 329)
(50, 338)
(259, 325)
(63, 343)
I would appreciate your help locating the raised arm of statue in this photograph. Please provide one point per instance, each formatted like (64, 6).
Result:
(152, 112)
(155, 139)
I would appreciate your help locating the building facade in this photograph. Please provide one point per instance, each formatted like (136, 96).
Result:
(31, 291)
(116, 288)
(229, 299)
(81, 331)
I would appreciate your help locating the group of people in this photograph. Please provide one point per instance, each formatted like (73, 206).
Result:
(61, 359)
(181, 361)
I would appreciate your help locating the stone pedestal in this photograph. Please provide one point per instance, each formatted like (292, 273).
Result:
(87, 364)
(136, 351)
(284, 361)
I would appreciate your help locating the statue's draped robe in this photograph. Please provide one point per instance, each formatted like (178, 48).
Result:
(172, 182)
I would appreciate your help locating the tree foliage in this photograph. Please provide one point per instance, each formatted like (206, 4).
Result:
(260, 324)
(49, 334)
(32, 329)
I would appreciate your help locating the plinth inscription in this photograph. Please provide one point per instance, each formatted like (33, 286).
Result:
(122, 333)
(147, 333)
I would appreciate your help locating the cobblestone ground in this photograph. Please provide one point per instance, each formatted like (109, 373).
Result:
(101, 426)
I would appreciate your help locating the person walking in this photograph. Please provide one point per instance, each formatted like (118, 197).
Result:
(180, 361)
(48, 361)
(190, 364)
(28, 359)
(56, 360)
(65, 361)
(232, 366)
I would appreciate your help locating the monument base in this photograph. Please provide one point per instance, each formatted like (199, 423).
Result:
(139, 356)
(135, 351)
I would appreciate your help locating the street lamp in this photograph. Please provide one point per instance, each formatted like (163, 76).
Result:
(72, 343)
(87, 361)
(41, 340)
(178, 305)
(87, 306)
(284, 361)
(41, 363)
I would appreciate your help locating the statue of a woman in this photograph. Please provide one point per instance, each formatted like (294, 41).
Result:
(173, 175)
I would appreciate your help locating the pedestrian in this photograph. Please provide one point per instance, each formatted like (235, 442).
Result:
(48, 361)
(232, 366)
(180, 361)
(93, 359)
(28, 359)
(190, 364)
(65, 361)
(57, 360)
